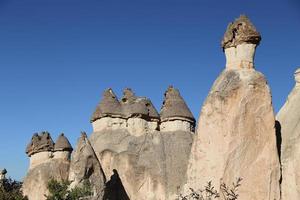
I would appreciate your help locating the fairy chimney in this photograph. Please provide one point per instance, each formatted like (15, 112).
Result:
(62, 148)
(235, 132)
(108, 114)
(140, 113)
(40, 149)
(239, 43)
(175, 114)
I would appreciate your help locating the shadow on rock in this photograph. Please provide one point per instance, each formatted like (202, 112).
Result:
(114, 189)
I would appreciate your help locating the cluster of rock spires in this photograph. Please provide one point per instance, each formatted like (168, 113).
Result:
(136, 153)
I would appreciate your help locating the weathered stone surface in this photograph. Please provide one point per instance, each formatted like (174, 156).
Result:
(289, 126)
(151, 166)
(36, 180)
(240, 31)
(236, 137)
(236, 133)
(86, 166)
(40, 143)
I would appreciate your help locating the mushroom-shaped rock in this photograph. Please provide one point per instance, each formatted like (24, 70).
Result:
(85, 166)
(239, 43)
(62, 144)
(174, 107)
(236, 136)
(40, 143)
(240, 31)
(109, 106)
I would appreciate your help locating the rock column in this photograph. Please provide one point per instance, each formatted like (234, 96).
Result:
(235, 134)
(288, 126)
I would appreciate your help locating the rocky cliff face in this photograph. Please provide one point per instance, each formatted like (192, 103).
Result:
(149, 164)
(289, 127)
(236, 135)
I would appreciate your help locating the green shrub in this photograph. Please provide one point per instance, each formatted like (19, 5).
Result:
(59, 190)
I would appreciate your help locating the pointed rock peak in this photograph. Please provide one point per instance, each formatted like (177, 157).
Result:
(297, 77)
(240, 31)
(128, 95)
(86, 166)
(62, 144)
(175, 107)
(108, 107)
(40, 143)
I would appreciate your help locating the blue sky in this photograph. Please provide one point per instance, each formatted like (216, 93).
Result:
(57, 56)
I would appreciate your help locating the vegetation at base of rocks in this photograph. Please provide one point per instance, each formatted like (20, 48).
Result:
(59, 190)
(11, 190)
(209, 192)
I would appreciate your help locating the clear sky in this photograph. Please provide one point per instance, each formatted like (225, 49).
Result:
(57, 56)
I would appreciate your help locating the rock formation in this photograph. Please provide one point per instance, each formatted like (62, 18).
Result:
(235, 133)
(289, 126)
(175, 114)
(2, 174)
(144, 163)
(85, 166)
(47, 161)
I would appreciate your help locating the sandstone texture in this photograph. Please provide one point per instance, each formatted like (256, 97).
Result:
(289, 126)
(86, 167)
(145, 163)
(235, 133)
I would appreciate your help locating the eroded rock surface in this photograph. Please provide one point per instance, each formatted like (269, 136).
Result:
(289, 126)
(85, 166)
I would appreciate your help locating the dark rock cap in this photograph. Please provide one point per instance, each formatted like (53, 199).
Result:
(62, 144)
(175, 107)
(108, 106)
(40, 143)
(133, 106)
(130, 106)
(240, 31)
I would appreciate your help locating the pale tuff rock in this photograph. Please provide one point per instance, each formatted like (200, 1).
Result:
(150, 166)
(136, 114)
(45, 165)
(86, 167)
(236, 136)
(288, 125)
(175, 114)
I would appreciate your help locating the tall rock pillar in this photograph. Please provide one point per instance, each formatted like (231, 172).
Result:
(235, 135)
(289, 126)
